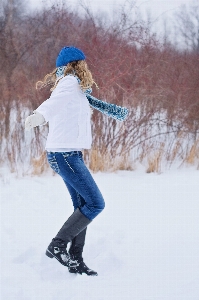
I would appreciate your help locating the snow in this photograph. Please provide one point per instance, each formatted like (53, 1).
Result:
(144, 245)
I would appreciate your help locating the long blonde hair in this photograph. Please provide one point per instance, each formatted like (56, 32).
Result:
(78, 68)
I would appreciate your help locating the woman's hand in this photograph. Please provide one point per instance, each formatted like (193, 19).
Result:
(34, 120)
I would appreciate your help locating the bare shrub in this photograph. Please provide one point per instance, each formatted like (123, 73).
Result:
(158, 83)
(193, 153)
(39, 164)
(155, 159)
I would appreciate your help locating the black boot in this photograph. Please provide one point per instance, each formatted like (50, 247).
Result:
(75, 252)
(71, 228)
(81, 267)
(58, 249)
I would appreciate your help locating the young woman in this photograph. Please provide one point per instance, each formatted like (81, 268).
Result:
(68, 113)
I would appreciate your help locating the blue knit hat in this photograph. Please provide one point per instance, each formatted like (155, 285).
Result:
(68, 54)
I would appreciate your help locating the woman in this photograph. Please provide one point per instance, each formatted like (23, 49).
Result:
(68, 113)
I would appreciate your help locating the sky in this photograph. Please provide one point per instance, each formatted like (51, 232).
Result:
(160, 11)
(158, 8)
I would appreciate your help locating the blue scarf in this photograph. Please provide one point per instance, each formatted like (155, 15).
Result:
(114, 111)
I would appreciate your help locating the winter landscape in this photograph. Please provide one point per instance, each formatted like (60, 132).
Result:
(144, 245)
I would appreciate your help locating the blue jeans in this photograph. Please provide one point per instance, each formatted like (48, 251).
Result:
(83, 190)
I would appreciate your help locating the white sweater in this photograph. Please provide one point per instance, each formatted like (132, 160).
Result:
(68, 113)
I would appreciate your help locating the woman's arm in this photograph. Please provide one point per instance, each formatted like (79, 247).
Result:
(66, 89)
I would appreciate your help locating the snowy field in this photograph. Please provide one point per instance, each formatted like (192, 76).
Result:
(144, 245)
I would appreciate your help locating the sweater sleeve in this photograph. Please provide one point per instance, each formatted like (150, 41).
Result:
(45, 110)
(65, 88)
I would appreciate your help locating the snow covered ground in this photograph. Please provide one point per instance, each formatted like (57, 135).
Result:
(144, 245)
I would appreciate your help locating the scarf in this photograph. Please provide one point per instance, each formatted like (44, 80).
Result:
(114, 111)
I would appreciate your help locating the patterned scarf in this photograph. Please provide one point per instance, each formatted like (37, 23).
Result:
(114, 111)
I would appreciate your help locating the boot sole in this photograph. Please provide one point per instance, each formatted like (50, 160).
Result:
(49, 254)
(74, 271)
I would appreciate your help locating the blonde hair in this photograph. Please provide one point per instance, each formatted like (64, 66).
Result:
(78, 68)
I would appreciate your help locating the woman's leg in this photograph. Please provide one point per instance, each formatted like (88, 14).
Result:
(74, 172)
(78, 242)
(84, 192)
(76, 198)
(70, 166)
(76, 223)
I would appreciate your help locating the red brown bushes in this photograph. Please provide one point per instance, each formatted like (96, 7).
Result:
(159, 84)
